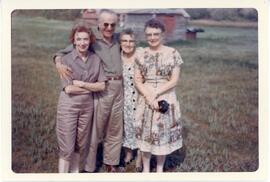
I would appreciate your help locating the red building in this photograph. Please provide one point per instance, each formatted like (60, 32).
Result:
(175, 20)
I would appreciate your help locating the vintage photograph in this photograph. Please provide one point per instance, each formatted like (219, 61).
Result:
(134, 90)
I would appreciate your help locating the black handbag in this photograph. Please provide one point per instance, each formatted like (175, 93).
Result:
(163, 106)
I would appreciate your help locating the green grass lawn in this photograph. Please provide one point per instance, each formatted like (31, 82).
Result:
(218, 93)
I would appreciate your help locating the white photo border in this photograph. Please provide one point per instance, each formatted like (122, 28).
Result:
(5, 70)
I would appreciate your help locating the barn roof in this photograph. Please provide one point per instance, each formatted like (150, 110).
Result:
(153, 11)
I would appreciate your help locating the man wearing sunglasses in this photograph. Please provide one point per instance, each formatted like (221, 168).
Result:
(108, 120)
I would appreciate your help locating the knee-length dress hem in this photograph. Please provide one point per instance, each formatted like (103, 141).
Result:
(157, 133)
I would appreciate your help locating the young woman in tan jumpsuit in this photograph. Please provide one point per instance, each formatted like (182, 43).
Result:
(76, 105)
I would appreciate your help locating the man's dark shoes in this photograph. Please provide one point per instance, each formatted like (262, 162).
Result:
(84, 171)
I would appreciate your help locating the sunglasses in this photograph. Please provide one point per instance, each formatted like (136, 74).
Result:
(106, 25)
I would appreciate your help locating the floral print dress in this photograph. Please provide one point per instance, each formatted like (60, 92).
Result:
(158, 133)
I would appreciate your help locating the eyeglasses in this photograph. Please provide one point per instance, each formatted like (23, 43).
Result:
(127, 41)
(148, 35)
(106, 25)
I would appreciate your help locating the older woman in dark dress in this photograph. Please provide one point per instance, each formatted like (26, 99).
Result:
(76, 106)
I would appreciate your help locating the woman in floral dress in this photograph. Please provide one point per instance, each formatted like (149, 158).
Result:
(128, 52)
(157, 71)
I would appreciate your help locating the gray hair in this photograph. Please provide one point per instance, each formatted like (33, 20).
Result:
(127, 31)
(106, 11)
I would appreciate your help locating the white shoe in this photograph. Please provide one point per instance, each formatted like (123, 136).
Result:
(63, 166)
(74, 163)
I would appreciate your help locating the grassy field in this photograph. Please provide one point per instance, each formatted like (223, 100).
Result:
(218, 93)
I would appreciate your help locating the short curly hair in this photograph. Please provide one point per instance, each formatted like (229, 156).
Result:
(81, 27)
(127, 31)
(154, 23)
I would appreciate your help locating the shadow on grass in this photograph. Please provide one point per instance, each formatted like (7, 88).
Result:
(173, 160)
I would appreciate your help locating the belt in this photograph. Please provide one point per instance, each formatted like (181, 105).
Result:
(114, 77)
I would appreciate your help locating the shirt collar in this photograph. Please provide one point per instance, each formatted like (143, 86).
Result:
(75, 54)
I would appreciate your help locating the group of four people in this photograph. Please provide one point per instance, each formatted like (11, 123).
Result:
(112, 93)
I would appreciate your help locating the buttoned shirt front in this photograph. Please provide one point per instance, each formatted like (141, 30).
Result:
(88, 71)
(108, 53)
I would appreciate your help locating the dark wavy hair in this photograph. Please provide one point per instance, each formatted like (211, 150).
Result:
(154, 23)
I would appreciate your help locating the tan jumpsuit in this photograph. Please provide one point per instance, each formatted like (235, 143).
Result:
(75, 112)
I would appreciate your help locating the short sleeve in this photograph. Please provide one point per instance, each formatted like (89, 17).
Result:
(177, 58)
(138, 65)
